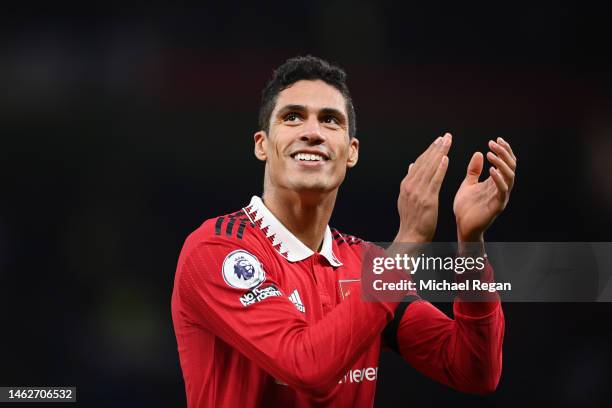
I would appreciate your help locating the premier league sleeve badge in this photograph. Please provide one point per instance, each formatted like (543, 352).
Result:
(242, 270)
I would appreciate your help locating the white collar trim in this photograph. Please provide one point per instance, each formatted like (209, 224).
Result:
(285, 243)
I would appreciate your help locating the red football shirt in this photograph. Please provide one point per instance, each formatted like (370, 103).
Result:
(261, 320)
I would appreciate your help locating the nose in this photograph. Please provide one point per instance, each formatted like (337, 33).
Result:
(311, 132)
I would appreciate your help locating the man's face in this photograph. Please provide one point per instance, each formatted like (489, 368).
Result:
(308, 147)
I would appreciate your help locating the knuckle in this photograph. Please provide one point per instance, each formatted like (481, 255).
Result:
(425, 200)
(406, 189)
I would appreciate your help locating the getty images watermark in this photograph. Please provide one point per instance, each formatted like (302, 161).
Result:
(413, 264)
(510, 271)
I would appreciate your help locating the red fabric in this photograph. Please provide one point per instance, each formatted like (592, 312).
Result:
(269, 353)
(464, 353)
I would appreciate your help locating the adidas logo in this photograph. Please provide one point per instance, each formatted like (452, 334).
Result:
(294, 297)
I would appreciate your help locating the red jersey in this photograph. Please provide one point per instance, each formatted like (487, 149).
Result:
(262, 320)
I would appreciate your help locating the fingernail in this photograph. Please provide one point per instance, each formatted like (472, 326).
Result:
(438, 140)
(447, 140)
(501, 140)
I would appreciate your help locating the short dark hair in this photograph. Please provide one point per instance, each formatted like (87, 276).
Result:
(304, 68)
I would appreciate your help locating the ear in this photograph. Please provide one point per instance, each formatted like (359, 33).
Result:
(261, 142)
(353, 155)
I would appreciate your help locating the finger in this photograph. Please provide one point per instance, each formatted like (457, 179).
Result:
(447, 141)
(435, 155)
(433, 146)
(503, 153)
(503, 167)
(415, 174)
(474, 168)
(438, 177)
(431, 163)
(444, 144)
(490, 187)
(410, 168)
(502, 187)
(506, 146)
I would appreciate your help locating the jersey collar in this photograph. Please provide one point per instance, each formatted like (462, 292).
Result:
(285, 243)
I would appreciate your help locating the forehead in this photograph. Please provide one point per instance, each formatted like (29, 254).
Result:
(312, 94)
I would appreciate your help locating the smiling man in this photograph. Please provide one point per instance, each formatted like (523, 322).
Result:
(267, 304)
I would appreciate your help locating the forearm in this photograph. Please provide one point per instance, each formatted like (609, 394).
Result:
(475, 303)
(464, 353)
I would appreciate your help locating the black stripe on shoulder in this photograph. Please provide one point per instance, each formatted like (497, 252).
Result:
(338, 237)
(241, 227)
(240, 218)
(390, 332)
(218, 225)
(237, 214)
(230, 226)
(341, 238)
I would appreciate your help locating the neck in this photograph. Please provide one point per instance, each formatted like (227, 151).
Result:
(306, 215)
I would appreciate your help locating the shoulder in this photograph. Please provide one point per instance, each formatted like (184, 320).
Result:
(227, 252)
(234, 226)
(224, 233)
(342, 238)
(347, 243)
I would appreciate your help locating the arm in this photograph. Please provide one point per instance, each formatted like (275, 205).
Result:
(464, 353)
(476, 206)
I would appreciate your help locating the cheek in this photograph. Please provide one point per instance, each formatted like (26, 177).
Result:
(343, 153)
(276, 145)
(277, 150)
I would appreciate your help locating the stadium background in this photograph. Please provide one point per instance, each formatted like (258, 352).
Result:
(123, 129)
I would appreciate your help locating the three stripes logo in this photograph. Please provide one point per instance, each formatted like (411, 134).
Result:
(225, 224)
(294, 297)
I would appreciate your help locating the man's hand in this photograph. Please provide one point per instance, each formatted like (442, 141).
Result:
(478, 203)
(418, 199)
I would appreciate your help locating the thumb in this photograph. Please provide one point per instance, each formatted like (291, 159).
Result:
(474, 168)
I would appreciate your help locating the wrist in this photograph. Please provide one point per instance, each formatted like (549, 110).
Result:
(471, 243)
(410, 238)
(470, 236)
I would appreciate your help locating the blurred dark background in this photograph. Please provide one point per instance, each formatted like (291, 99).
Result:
(123, 129)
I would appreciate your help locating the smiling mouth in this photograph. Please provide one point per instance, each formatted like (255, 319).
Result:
(309, 157)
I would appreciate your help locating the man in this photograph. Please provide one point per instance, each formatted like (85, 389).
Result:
(267, 306)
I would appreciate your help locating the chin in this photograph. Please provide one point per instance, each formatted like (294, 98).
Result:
(313, 186)
(303, 188)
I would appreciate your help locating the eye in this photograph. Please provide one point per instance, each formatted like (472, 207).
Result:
(291, 117)
(331, 119)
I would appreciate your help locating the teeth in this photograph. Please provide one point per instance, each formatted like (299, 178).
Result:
(308, 157)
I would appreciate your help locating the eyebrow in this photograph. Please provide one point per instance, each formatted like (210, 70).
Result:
(301, 108)
(334, 112)
(291, 108)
